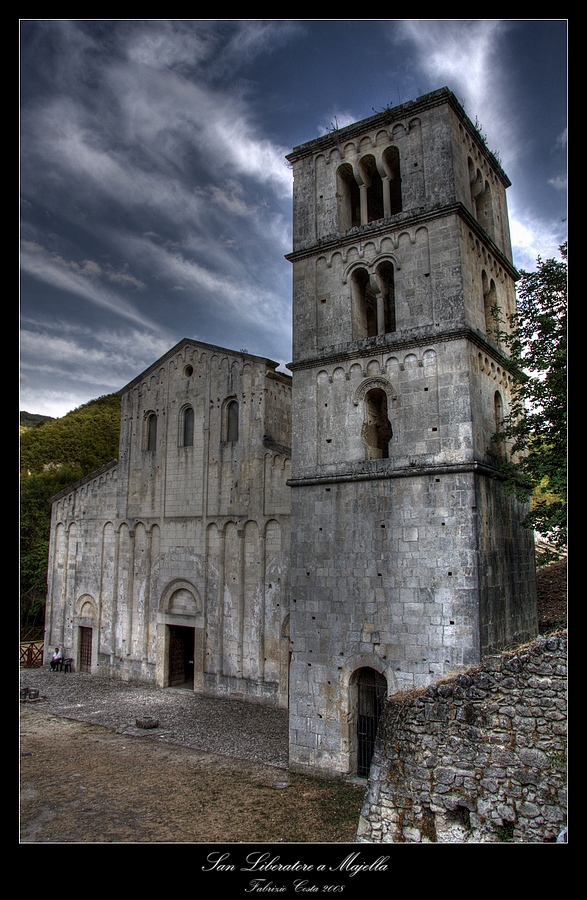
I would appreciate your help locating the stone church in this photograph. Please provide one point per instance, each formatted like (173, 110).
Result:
(324, 540)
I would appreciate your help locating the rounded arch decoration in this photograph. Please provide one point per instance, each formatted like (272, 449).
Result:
(86, 608)
(371, 266)
(181, 598)
(376, 382)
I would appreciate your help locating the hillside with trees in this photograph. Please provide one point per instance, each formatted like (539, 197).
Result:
(31, 420)
(54, 454)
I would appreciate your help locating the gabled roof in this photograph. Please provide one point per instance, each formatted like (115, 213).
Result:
(189, 342)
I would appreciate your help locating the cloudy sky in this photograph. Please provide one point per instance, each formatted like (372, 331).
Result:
(155, 196)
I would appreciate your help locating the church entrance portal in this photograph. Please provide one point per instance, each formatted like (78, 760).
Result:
(85, 650)
(372, 690)
(181, 656)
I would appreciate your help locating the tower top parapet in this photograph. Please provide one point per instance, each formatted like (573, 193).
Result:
(391, 114)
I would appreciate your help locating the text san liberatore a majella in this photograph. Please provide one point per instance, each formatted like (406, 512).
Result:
(269, 873)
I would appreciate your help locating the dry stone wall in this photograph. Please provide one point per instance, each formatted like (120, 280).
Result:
(479, 758)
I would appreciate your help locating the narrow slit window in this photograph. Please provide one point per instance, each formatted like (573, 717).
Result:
(232, 421)
(152, 432)
(188, 427)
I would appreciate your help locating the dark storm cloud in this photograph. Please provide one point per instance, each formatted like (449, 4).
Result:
(156, 199)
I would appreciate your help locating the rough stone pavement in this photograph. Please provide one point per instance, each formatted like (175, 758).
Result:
(227, 727)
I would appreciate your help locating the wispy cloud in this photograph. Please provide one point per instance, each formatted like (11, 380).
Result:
(85, 280)
(465, 55)
(97, 361)
(533, 237)
(152, 149)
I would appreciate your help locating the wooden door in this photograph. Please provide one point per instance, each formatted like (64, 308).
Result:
(85, 650)
(181, 655)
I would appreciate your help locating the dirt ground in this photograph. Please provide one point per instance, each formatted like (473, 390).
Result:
(551, 586)
(85, 783)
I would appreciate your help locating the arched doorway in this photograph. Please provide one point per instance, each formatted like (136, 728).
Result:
(181, 656)
(85, 650)
(371, 694)
(85, 634)
(180, 637)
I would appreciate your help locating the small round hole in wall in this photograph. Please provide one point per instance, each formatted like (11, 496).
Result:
(188, 371)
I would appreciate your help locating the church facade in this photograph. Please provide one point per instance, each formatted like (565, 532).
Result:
(323, 541)
(171, 565)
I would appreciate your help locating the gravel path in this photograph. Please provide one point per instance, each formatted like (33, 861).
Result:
(226, 727)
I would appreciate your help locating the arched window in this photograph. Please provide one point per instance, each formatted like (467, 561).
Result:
(481, 199)
(485, 209)
(349, 201)
(498, 405)
(475, 184)
(385, 280)
(365, 304)
(374, 188)
(498, 418)
(232, 421)
(377, 431)
(187, 432)
(391, 164)
(490, 306)
(373, 300)
(151, 431)
(373, 193)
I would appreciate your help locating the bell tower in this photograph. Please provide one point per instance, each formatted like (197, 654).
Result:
(408, 559)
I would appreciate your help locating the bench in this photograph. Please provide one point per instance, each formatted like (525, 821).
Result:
(66, 665)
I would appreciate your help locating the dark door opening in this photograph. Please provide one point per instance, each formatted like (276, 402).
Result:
(181, 656)
(85, 650)
(372, 690)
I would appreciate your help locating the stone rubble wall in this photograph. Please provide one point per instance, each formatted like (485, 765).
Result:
(479, 758)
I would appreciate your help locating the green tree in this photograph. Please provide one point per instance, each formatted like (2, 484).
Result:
(536, 426)
(53, 455)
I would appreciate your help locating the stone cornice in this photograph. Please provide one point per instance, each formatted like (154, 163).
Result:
(87, 478)
(443, 96)
(408, 219)
(379, 472)
(396, 341)
(200, 345)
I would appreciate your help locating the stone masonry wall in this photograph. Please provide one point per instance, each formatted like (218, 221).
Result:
(479, 758)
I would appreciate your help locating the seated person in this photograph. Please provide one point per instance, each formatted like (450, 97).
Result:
(56, 659)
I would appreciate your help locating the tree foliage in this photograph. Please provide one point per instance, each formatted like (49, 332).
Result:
(536, 426)
(55, 454)
(84, 439)
(31, 420)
